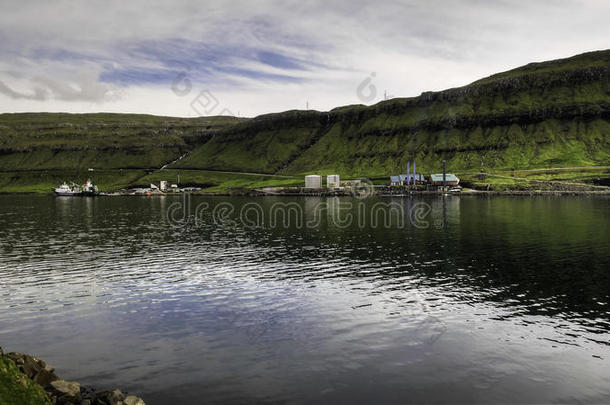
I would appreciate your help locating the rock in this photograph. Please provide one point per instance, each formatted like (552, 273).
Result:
(133, 400)
(63, 392)
(30, 366)
(66, 389)
(114, 397)
(17, 358)
(87, 392)
(45, 377)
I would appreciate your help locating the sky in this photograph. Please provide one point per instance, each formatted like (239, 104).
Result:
(194, 58)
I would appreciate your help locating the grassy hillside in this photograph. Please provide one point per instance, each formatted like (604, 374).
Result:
(40, 150)
(102, 141)
(544, 115)
(265, 144)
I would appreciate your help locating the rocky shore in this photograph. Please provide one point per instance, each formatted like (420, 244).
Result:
(34, 379)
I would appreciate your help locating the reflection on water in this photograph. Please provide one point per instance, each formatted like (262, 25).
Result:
(495, 300)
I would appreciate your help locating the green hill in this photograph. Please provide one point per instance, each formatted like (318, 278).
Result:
(101, 141)
(543, 115)
(40, 150)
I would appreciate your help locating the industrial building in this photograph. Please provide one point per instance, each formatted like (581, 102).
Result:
(407, 179)
(411, 178)
(332, 181)
(449, 180)
(313, 181)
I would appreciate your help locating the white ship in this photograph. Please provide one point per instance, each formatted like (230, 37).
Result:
(68, 191)
(88, 189)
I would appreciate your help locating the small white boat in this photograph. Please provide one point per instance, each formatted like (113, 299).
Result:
(68, 191)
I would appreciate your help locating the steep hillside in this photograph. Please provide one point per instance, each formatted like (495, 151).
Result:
(265, 144)
(52, 141)
(542, 115)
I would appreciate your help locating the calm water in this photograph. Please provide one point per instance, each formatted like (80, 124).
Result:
(476, 300)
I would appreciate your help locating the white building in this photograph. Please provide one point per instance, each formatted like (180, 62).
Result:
(332, 181)
(313, 181)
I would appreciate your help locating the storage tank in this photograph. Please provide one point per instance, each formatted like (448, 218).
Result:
(313, 181)
(332, 181)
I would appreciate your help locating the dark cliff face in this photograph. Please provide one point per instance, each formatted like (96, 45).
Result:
(542, 115)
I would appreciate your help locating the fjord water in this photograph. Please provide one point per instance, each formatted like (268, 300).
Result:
(475, 299)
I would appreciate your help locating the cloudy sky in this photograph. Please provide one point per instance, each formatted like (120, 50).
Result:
(188, 58)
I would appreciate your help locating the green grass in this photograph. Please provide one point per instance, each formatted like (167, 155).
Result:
(539, 116)
(104, 141)
(44, 181)
(574, 178)
(263, 145)
(217, 182)
(17, 389)
(546, 115)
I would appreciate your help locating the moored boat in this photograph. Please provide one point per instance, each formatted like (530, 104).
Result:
(88, 189)
(66, 190)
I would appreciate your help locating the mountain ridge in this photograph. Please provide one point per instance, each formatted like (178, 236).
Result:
(541, 115)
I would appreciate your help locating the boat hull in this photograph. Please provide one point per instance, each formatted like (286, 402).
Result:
(67, 194)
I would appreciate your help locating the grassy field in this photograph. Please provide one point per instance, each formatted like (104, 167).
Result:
(44, 181)
(220, 182)
(545, 179)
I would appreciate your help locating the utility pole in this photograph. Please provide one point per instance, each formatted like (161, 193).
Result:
(444, 173)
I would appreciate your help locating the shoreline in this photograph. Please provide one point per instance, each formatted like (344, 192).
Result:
(29, 380)
(258, 193)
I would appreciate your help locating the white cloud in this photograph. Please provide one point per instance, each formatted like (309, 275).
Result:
(124, 56)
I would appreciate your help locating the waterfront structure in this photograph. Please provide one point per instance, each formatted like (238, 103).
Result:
(163, 185)
(313, 181)
(332, 181)
(449, 180)
(406, 179)
(415, 178)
